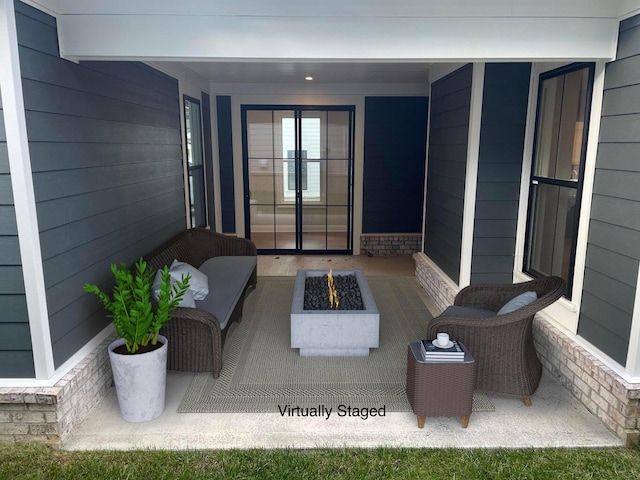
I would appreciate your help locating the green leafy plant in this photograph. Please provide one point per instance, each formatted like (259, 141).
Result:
(136, 320)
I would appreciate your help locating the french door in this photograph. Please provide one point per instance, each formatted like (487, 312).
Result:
(298, 173)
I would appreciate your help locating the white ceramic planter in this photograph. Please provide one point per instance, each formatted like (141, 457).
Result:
(140, 381)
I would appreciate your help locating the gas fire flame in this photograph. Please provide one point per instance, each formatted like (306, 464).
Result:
(333, 293)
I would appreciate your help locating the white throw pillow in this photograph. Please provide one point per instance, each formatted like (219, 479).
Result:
(187, 300)
(198, 284)
(520, 301)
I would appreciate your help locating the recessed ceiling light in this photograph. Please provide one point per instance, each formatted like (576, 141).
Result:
(308, 78)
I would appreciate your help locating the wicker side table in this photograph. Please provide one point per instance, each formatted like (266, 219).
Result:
(439, 389)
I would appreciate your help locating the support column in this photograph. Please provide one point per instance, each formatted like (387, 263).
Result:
(23, 193)
(471, 180)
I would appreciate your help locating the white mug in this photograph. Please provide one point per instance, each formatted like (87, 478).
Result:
(443, 339)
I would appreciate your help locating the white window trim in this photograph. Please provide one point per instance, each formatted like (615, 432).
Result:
(564, 312)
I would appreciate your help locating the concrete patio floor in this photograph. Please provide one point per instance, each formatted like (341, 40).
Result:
(555, 419)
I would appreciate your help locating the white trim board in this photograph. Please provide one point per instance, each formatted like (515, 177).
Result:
(471, 178)
(23, 193)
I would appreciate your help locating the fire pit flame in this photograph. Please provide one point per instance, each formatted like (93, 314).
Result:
(333, 293)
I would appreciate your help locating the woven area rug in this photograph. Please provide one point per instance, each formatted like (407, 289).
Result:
(262, 373)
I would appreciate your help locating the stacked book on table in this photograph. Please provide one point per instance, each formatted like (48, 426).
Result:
(434, 353)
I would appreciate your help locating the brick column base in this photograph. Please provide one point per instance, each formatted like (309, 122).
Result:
(47, 414)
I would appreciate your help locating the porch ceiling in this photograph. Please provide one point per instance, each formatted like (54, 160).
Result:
(327, 72)
(335, 31)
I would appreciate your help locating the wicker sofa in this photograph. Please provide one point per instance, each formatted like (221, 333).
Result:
(196, 335)
(502, 345)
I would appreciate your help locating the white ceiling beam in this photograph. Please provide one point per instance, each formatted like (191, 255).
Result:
(340, 8)
(160, 37)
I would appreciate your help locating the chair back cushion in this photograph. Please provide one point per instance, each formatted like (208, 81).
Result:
(520, 301)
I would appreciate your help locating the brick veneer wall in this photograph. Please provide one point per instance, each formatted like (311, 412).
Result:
(379, 245)
(47, 414)
(600, 389)
(432, 280)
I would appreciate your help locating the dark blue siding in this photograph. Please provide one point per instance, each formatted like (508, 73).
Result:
(225, 153)
(448, 139)
(105, 147)
(504, 111)
(613, 248)
(395, 133)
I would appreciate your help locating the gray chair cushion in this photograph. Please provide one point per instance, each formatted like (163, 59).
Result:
(228, 277)
(520, 301)
(458, 311)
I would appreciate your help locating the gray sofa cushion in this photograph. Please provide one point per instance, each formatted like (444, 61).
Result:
(228, 277)
(458, 311)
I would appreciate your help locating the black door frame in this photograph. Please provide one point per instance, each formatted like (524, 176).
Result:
(298, 109)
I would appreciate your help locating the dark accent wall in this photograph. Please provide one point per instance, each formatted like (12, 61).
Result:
(502, 129)
(16, 357)
(208, 159)
(225, 154)
(447, 165)
(395, 137)
(613, 248)
(105, 145)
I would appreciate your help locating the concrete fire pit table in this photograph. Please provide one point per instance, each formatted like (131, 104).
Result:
(334, 333)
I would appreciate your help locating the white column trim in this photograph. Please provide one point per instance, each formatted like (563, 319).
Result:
(527, 154)
(471, 179)
(633, 356)
(426, 173)
(593, 136)
(23, 193)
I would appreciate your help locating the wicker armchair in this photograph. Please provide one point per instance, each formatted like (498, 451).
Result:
(195, 334)
(503, 344)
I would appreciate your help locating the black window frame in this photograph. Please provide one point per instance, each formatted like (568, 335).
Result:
(197, 170)
(535, 180)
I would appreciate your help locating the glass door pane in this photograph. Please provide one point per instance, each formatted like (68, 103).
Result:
(271, 202)
(326, 141)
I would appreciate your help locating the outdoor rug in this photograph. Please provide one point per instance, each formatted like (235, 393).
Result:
(262, 373)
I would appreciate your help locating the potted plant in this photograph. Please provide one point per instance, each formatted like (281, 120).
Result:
(139, 357)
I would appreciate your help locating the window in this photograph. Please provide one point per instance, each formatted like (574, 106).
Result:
(310, 170)
(193, 133)
(564, 97)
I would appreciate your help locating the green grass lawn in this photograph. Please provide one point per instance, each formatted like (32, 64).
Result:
(40, 462)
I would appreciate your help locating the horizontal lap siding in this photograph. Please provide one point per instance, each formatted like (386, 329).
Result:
(16, 357)
(105, 145)
(504, 111)
(613, 249)
(448, 142)
(395, 136)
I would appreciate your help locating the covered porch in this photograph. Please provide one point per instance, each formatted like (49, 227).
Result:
(555, 419)
(96, 167)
